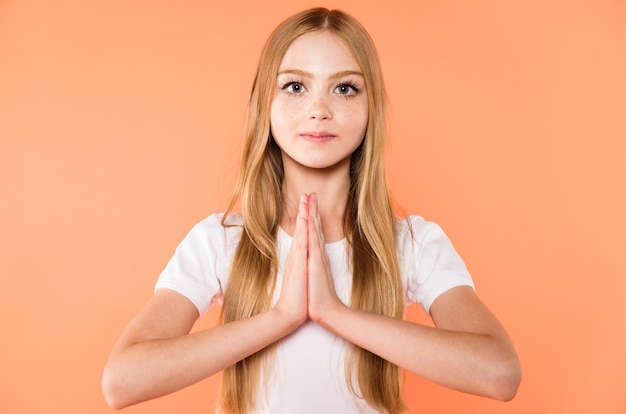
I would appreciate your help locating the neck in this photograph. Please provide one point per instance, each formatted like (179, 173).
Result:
(331, 185)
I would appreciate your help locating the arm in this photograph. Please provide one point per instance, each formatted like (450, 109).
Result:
(156, 356)
(468, 350)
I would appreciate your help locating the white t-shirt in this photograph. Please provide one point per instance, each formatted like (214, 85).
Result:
(310, 372)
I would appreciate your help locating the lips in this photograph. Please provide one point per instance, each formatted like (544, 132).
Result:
(317, 137)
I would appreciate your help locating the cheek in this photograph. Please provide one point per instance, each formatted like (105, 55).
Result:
(364, 118)
(276, 121)
(357, 116)
(281, 115)
(282, 122)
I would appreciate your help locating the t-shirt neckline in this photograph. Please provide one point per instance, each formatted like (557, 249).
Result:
(332, 246)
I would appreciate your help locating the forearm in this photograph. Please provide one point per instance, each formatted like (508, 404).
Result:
(141, 371)
(476, 363)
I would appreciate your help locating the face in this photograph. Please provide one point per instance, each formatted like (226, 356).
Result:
(319, 111)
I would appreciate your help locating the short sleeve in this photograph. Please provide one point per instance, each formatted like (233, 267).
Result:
(196, 269)
(430, 264)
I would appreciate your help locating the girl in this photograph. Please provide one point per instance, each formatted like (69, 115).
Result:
(315, 271)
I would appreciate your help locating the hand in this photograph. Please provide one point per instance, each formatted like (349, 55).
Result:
(322, 297)
(293, 300)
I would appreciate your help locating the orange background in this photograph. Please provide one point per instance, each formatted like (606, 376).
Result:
(121, 124)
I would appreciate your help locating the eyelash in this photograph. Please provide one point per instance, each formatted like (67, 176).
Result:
(351, 85)
(288, 84)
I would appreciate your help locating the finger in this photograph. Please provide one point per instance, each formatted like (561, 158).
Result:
(303, 211)
(303, 208)
(315, 214)
(314, 239)
(313, 204)
(300, 236)
(313, 220)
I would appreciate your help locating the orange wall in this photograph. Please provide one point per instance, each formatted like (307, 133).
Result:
(120, 126)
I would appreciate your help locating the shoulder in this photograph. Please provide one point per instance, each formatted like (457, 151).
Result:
(425, 241)
(430, 265)
(416, 229)
(217, 229)
(219, 221)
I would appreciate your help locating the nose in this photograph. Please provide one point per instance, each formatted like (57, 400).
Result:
(320, 109)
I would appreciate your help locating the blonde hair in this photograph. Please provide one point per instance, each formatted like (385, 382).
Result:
(368, 221)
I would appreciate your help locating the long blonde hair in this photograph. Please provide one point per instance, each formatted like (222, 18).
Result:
(368, 221)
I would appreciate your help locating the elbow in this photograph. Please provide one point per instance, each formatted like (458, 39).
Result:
(113, 390)
(506, 380)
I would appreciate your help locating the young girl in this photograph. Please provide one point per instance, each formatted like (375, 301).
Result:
(315, 272)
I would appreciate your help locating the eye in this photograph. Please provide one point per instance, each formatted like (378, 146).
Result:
(294, 87)
(347, 88)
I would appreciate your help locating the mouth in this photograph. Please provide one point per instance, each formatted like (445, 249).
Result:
(317, 137)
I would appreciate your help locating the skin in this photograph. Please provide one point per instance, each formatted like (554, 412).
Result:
(469, 350)
(319, 89)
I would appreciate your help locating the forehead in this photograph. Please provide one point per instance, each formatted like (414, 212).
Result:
(319, 52)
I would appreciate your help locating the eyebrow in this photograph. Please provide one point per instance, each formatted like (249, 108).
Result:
(305, 74)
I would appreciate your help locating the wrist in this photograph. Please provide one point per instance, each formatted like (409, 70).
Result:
(331, 318)
(289, 321)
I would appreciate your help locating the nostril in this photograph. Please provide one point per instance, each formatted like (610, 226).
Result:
(320, 112)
